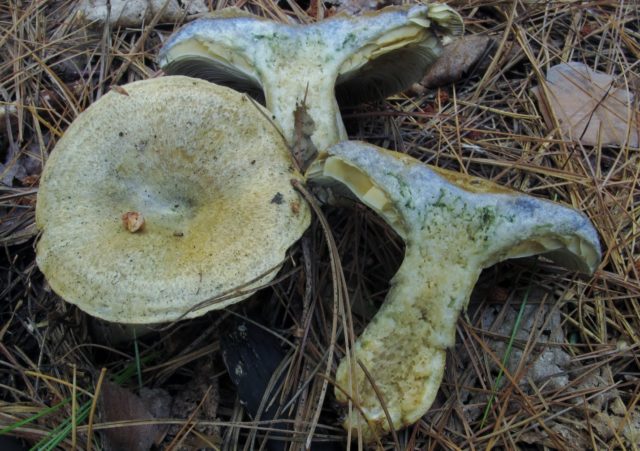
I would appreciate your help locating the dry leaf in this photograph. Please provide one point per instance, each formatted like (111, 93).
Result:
(20, 164)
(458, 58)
(572, 436)
(627, 423)
(120, 404)
(533, 437)
(133, 13)
(548, 365)
(631, 428)
(200, 395)
(588, 107)
(304, 151)
(360, 6)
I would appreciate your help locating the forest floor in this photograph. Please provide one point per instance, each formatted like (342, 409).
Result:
(544, 358)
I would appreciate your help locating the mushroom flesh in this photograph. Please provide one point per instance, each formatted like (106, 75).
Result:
(454, 226)
(163, 195)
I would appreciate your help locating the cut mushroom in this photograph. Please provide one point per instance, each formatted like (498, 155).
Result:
(199, 166)
(454, 226)
(355, 58)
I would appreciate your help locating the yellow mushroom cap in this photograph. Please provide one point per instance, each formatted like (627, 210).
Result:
(201, 179)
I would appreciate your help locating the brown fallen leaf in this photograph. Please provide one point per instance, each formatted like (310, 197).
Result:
(201, 396)
(533, 437)
(607, 426)
(361, 6)
(304, 151)
(133, 13)
(572, 437)
(459, 58)
(588, 106)
(120, 404)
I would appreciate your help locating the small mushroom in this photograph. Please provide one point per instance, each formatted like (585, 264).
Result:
(454, 226)
(196, 164)
(353, 58)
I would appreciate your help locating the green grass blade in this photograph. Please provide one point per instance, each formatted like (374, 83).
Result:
(40, 414)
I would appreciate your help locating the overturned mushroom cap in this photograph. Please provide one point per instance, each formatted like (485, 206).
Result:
(357, 58)
(454, 226)
(162, 195)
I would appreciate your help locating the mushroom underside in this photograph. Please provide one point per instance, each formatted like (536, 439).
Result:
(354, 58)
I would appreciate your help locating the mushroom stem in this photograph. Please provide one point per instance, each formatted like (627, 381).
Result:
(317, 96)
(359, 58)
(404, 346)
(454, 226)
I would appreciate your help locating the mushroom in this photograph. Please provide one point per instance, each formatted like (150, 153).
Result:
(353, 58)
(163, 195)
(454, 225)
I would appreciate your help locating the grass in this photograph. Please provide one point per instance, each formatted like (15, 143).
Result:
(488, 124)
(69, 425)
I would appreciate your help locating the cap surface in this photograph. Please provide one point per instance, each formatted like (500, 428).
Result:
(206, 170)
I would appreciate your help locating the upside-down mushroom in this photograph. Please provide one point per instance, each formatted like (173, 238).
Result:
(354, 58)
(163, 195)
(454, 226)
